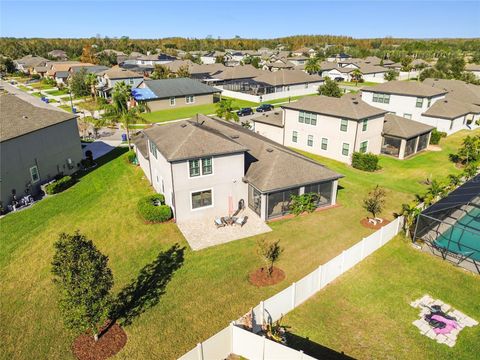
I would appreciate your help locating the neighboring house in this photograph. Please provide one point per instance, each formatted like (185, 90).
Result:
(287, 81)
(95, 69)
(474, 69)
(304, 50)
(205, 72)
(119, 55)
(270, 125)
(108, 78)
(58, 55)
(27, 63)
(345, 69)
(205, 167)
(211, 57)
(278, 64)
(403, 137)
(235, 75)
(173, 93)
(338, 57)
(298, 60)
(418, 101)
(37, 143)
(155, 59)
(60, 70)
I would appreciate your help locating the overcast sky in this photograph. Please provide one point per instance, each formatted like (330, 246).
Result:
(225, 19)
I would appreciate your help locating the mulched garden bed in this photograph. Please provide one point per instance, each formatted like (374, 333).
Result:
(365, 223)
(260, 277)
(85, 348)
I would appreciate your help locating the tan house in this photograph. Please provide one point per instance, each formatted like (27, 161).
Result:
(173, 93)
(108, 78)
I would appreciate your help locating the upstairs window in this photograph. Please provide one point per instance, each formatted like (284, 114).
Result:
(408, 116)
(199, 167)
(364, 124)
(153, 149)
(307, 118)
(344, 125)
(381, 98)
(194, 166)
(207, 167)
(310, 140)
(419, 103)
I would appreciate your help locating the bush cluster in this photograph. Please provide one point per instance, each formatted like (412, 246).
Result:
(365, 161)
(436, 136)
(152, 208)
(59, 185)
(131, 156)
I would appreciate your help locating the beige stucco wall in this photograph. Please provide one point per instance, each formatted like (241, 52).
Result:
(329, 127)
(164, 104)
(271, 132)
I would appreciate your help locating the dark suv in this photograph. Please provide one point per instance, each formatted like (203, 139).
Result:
(245, 112)
(264, 108)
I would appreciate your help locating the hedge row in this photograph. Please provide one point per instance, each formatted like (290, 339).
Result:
(152, 208)
(436, 136)
(59, 185)
(365, 161)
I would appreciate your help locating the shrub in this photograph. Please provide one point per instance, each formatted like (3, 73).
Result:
(59, 185)
(365, 161)
(152, 208)
(303, 203)
(436, 136)
(131, 156)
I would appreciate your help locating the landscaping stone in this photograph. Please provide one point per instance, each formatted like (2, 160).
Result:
(424, 327)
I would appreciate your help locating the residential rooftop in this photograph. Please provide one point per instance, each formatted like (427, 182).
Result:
(270, 118)
(409, 88)
(286, 77)
(451, 108)
(117, 72)
(348, 106)
(404, 128)
(457, 89)
(166, 88)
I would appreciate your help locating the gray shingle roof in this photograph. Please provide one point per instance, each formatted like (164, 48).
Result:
(451, 108)
(166, 88)
(20, 117)
(270, 118)
(117, 72)
(457, 89)
(409, 88)
(238, 72)
(286, 77)
(404, 128)
(348, 107)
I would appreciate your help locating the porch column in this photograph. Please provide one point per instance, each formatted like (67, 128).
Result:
(401, 154)
(263, 209)
(416, 144)
(334, 192)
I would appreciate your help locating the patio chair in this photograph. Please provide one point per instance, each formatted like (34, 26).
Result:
(219, 222)
(372, 221)
(378, 220)
(241, 220)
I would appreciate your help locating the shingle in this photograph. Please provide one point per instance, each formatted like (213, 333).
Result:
(409, 88)
(20, 117)
(450, 108)
(271, 118)
(457, 89)
(404, 128)
(348, 106)
(286, 77)
(166, 88)
(117, 72)
(238, 72)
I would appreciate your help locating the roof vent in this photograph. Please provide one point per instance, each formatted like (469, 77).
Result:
(269, 150)
(446, 101)
(355, 102)
(234, 136)
(25, 116)
(183, 125)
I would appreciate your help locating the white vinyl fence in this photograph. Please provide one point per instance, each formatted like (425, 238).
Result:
(254, 347)
(312, 89)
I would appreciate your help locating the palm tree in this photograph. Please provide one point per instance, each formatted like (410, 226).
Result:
(410, 213)
(356, 76)
(312, 66)
(119, 110)
(91, 80)
(455, 180)
(226, 110)
(434, 192)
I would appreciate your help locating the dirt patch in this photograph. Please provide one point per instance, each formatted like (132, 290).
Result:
(85, 348)
(432, 147)
(260, 277)
(366, 224)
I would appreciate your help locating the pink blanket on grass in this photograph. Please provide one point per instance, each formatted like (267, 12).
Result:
(451, 324)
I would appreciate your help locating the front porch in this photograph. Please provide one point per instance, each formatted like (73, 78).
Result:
(203, 233)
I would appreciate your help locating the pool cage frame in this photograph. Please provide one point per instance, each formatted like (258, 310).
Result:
(441, 218)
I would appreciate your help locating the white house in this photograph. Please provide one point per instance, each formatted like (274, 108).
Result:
(155, 59)
(474, 69)
(204, 165)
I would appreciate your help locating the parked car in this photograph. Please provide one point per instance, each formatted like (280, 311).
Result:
(264, 108)
(245, 112)
(338, 79)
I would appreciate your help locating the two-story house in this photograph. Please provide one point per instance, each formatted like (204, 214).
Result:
(108, 78)
(203, 165)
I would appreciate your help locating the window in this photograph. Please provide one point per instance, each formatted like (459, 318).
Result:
(386, 98)
(307, 118)
(306, 86)
(190, 99)
(381, 98)
(310, 140)
(207, 168)
(130, 81)
(324, 143)
(408, 116)
(153, 149)
(364, 124)
(294, 136)
(204, 164)
(343, 125)
(34, 174)
(429, 103)
(419, 102)
(363, 146)
(194, 167)
(172, 101)
(345, 149)
(201, 199)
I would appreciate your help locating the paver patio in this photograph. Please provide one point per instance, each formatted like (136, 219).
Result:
(203, 233)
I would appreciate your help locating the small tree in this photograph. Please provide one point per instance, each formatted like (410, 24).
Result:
(183, 72)
(356, 76)
(390, 75)
(330, 88)
(312, 66)
(226, 110)
(410, 213)
(303, 203)
(270, 252)
(84, 280)
(78, 83)
(160, 72)
(375, 201)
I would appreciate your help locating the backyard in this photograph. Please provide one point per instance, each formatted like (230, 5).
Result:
(366, 317)
(211, 287)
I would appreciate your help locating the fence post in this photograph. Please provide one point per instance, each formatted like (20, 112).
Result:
(199, 351)
(262, 313)
(264, 345)
(232, 324)
(398, 224)
(294, 286)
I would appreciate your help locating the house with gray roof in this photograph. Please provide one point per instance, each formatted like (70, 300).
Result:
(27, 63)
(172, 93)
(37, 143)
(108, 78)
(204, 165)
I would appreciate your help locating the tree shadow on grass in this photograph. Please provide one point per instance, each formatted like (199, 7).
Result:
(313, 349)
(146, 290)
(102, 160)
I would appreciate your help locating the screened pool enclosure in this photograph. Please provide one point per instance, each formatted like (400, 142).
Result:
(451, 227)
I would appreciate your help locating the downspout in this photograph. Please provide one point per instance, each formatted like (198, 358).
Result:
(174, 203)
(355, 141)
(283, 123)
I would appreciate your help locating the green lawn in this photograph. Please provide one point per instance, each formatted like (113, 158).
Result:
(37, 94)
(90, 105)
(209, 290)
(66, 107)
(41, 85)
(366, 313)
(23, 88)
(58, 92)
(360, 84)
